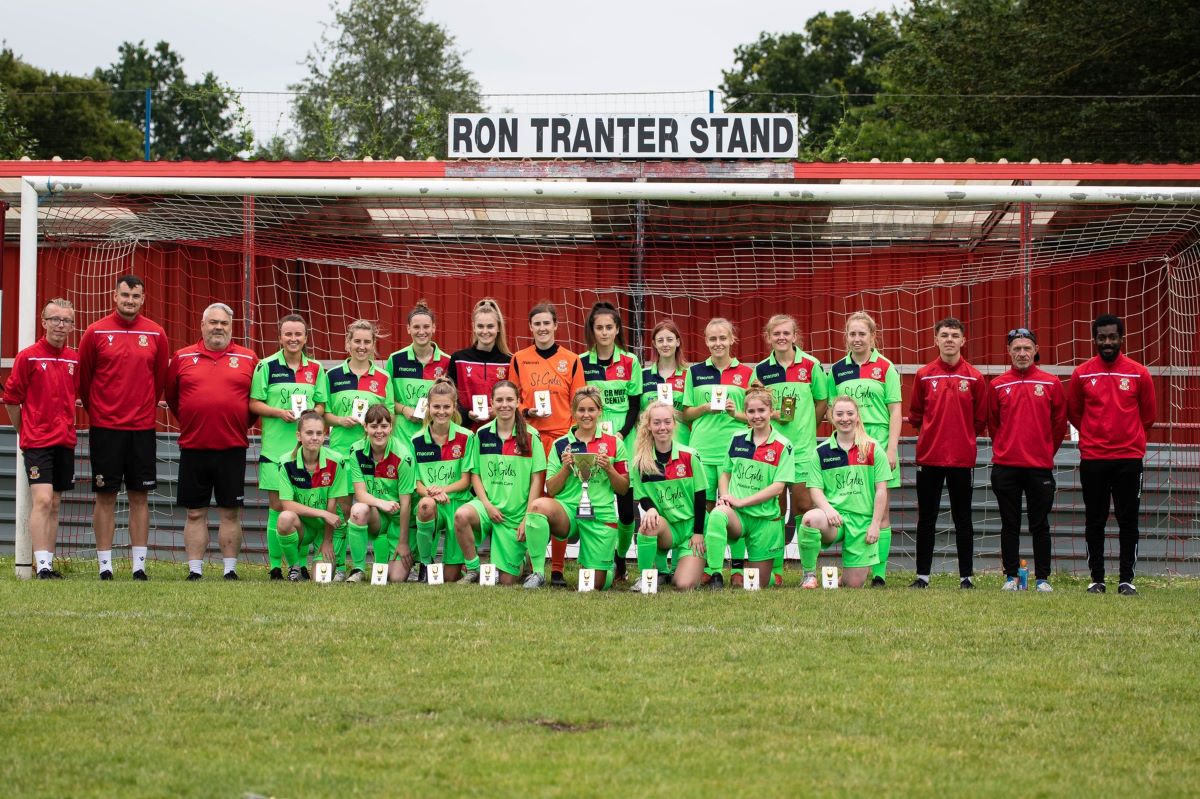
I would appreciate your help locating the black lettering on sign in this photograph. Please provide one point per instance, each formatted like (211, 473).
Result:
(539, 125)
(583, 137)
(508, 135)
(667, 131)
(760, 135)
(461, 136)
(625, 124)
(645, 138)
(719, 124)
(699, 141)
(485, 135)
(604, 135)
(737, 136)
(560, 136)
(784, 136)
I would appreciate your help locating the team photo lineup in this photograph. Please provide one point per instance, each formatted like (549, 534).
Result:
(542, 447)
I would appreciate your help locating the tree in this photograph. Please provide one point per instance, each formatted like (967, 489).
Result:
(15, 141)
(195, 120)
(818, 74)
(376, 78)
(65, 115)
(1024, 78)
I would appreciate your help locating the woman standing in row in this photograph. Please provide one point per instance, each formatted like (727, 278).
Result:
(874, 383)
(480, 366)
(548, 377)
(413, 369)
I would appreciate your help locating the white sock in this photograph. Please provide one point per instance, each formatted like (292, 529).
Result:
(230, 564)
(924, 577)
(44, 558)
(104, 559)
(139, 558)
(195, 566)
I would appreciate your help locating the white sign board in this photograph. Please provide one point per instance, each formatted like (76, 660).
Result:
(622, 136)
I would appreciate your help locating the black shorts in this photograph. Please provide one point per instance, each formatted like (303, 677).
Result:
(52, 465)
(205, 472)
(123, 456)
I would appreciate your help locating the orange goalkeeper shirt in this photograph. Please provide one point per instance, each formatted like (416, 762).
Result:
(555, 370)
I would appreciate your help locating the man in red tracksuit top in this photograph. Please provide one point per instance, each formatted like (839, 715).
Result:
(1110, 400)
(40, 399)
(949, 406)
(1027, 417)
(208, 390)
(122, 371)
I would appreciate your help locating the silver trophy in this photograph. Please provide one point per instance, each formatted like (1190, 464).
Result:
(583, 464)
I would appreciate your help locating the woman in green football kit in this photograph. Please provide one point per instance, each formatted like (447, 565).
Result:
(383, 477)
(668, 367)
(757, 469)
(874, 383)
(507, 466)
(617, 373)
(355, 382)
(310, 481)
(669, 484)
(850, 476)
(555, 513)
(277, 379)
(712, 428)
(414, 369)
(440, 451)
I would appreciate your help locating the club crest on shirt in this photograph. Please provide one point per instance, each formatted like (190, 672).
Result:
(1038, 390)
(1124, 385)
(233, 362)
(35, 473)
(374, 386)
(562, 366)
(326, 479)
(438, 371)
(502, 372)
(70, 368)
(803, 375)
(391, 472)
(737, 380)
(680, 470)
(962, 385)
(456, 451)
(602, 448)
(876, 373)
(769, 456)
(143, 341)
(620, 371)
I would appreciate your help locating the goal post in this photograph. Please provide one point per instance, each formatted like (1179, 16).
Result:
(1049, 255)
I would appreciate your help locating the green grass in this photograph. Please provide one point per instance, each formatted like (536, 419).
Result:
(224, 689)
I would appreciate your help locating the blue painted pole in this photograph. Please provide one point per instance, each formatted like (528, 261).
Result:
(146, 138)
(712, 101)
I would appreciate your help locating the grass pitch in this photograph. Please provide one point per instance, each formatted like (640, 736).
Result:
(254, 688)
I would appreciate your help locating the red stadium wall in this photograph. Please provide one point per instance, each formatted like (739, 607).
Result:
(183, 279)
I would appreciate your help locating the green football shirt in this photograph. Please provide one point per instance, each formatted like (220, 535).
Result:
(651, 380)
(442, 464)
(674, 491)
(805, 382)
(875, 385)
(712, 432)
(752, 467)
(314, 490)
(599, 489)
(619, 381)
(505, 474)
(275, 383)
(390, 477)
(847, 478)
(343, 387)
(411, 380)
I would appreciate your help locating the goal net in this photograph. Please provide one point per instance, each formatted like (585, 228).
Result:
(908, 254)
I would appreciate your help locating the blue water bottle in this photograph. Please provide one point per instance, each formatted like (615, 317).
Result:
(1023, 577)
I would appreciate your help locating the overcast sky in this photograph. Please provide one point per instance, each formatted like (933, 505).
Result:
(512, 46)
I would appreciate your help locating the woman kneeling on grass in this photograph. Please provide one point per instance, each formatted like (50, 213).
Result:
(757, 470)
(609, 478)
(850, 491)
(440, 451)
(383, 476)
(310, 480)
(670, 485)
(507, 466)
